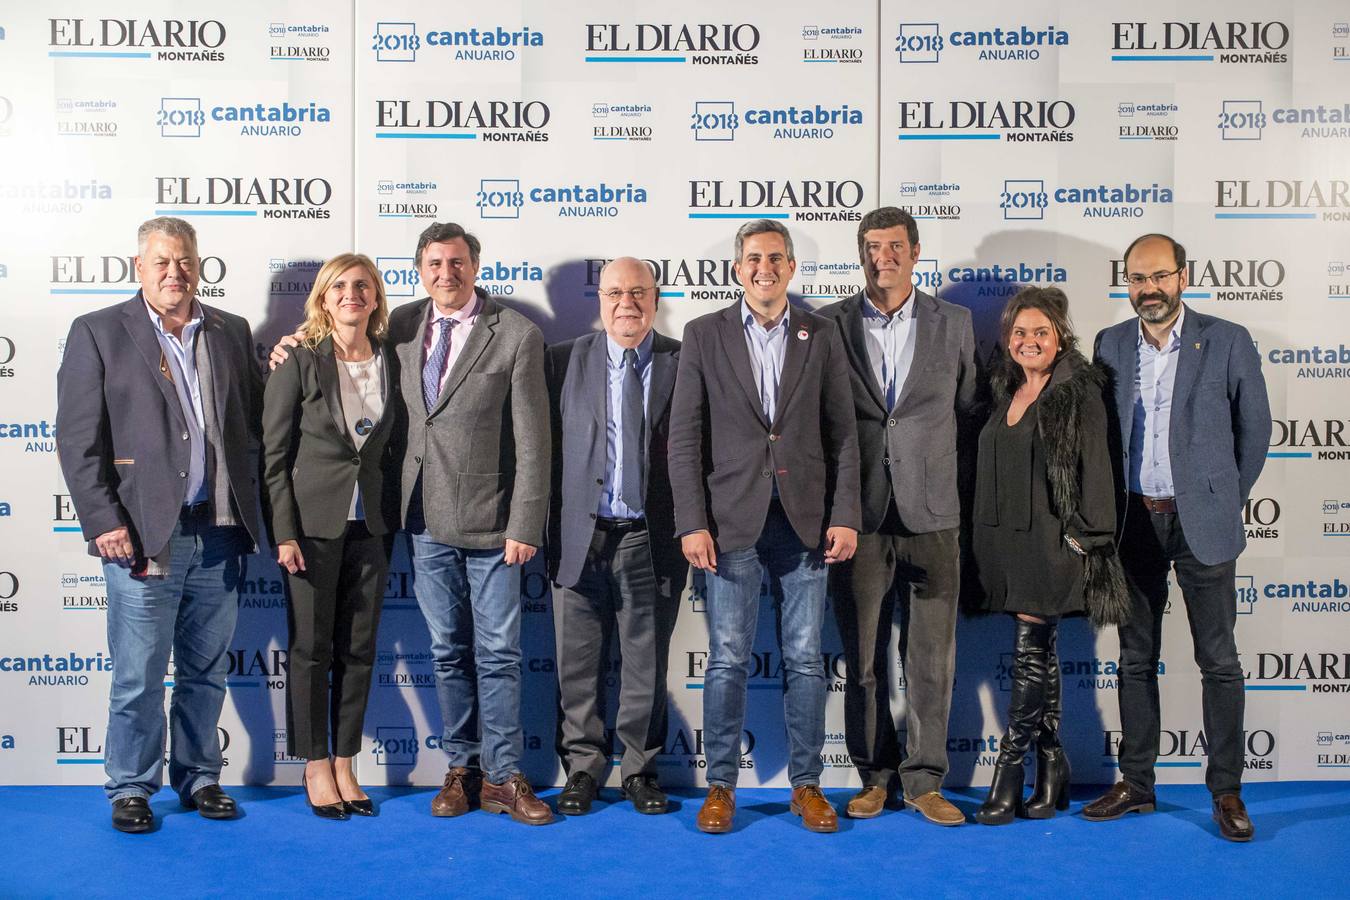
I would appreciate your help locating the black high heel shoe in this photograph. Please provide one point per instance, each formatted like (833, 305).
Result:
(359, 807)
(335, 811)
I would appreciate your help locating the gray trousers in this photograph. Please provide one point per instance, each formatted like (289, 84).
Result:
(620, 593)
(922, 571)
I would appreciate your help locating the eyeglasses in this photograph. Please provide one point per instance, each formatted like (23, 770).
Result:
(635, 294)
(1157, 278)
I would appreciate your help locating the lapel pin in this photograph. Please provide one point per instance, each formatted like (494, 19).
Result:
(802, 334)
(1197, 345)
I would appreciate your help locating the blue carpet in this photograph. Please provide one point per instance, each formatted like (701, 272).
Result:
(57, 842)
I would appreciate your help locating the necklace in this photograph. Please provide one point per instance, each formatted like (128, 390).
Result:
(363, 387)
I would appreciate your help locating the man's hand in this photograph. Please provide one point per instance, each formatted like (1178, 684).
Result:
(279, 354)
(290, 557)
(518, 554)
(115, 547)
(699, 549)
(840, 542)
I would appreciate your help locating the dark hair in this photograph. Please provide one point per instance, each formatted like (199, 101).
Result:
(1050, 301)
(1178, 251)
(439, 233)
(886, 217)
(763, 226)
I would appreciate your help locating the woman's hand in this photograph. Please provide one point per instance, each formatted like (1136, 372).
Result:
(290, 557)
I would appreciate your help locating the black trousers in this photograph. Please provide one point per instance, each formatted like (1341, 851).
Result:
(1152, 544)
(333, 612)
(922, 573)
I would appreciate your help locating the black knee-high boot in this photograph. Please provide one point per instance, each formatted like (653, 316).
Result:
(1052, 764)
(1029, 675)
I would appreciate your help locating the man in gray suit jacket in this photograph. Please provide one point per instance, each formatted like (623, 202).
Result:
(1193, 421)
(158, 399)
(611, 540)
(475, 496)
(764, 467)
(912, 368)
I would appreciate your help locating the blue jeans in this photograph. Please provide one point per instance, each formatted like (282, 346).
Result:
(471, 601)
(797, 584)
(192, 612)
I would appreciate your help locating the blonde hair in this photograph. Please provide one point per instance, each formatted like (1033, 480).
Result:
(318, 324)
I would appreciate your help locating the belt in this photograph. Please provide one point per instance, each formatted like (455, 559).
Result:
(198, 510)
(605, 523)
(1158, 505)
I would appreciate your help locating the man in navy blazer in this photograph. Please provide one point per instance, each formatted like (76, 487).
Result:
(1194, 425)
(764, 466)
(611, 537)
(158, 399)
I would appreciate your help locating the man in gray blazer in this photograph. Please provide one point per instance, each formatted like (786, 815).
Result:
(611, 539)
(912, 369)
(475, 496)
(158, 400)
(764, 467)
(1193, 421)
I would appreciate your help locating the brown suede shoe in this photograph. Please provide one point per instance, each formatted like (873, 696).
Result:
(1120, 799)
(453, 798)
(1231, 814)
(867, 803)
(816, 812)
(937, 809)
(516, 798)
(718, 811)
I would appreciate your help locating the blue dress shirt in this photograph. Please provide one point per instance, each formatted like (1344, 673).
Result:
(181, 355)
(611, 497)
(890, 346)
(767, 348)
(1154, 377)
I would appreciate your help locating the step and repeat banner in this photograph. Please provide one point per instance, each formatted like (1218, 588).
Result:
(1030, 143)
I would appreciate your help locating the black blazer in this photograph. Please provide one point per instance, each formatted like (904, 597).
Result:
(724, 456)
(576, 372)
(311, 465)
(120, 431)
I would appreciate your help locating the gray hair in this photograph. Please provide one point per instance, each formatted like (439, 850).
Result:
(166, 225)
(763, 226)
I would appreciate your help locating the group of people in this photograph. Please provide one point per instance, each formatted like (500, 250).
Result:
(820, 449)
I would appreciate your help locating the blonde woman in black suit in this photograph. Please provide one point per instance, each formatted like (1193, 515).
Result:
(331, 471)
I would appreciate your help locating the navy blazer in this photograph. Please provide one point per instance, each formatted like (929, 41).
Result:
(576, 372)
(120, 430)
(1219, 431)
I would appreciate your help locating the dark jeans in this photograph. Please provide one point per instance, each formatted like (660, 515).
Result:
(333, 614)
(1150, 545)
(922, 572)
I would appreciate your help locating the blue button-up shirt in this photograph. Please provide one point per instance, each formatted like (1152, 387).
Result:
(611, 497)
(1154, 377)
(181, 355)
(767, 348)
(890, 346)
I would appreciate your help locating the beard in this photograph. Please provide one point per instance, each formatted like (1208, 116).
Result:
(1165, 310)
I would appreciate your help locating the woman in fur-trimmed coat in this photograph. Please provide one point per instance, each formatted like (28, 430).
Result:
(1044, 524)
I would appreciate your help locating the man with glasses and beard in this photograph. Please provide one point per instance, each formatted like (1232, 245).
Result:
(1191, 413)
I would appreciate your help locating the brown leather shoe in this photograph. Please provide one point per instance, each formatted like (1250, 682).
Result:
(816, 812)
(1122, 798)
(718, 811)
(1231, 814)
(453, 798)
(516, 798)
(937, 809)
(867, 803)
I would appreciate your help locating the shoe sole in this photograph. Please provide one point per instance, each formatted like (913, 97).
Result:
(563, 811)
(714, 829)
(491, 806)
(134, 829)
(848, 811)
(818, 829)
(1141, 808)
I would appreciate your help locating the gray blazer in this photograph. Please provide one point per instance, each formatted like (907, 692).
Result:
(724, 456)
(577, 375)
(911, 453)
(481, 453)
(120, 430)
(310, 463)
(1219, 431)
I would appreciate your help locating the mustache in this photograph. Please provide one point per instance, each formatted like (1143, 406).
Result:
(1155, 295)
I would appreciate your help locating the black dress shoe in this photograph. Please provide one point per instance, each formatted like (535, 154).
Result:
(646, 794)
(577, 795)
(1122, 798)
(335, 811)
(212, 803)
(359, 807)
(132, 815)
(1231, 814)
